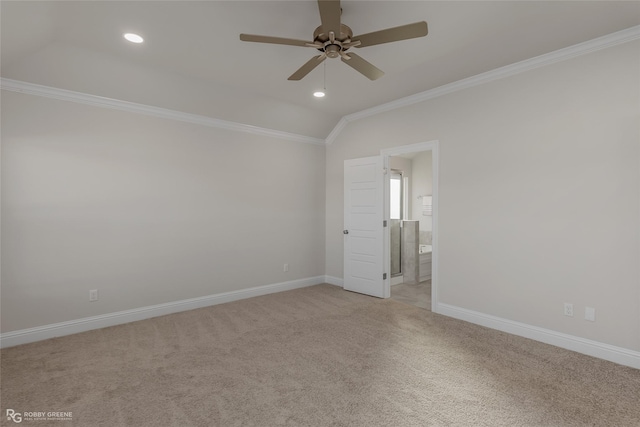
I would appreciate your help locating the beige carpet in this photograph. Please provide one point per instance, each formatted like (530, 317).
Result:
(317, 356)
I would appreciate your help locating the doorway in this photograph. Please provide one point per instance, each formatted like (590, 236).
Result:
(367, 254)
(397, 211)
(411, 187)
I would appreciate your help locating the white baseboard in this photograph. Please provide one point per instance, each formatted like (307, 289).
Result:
(24, 336)
(581, 345)
(398, 280)
(597, 349)
(335, 281)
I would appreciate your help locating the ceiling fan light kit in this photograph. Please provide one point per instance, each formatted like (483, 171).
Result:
(333, 39)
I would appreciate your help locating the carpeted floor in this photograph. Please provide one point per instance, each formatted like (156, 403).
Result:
(316, 356)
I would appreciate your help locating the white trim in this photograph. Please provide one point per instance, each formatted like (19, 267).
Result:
(610, 40)
(336, 130)
(398, 280)
(559, 55)
(597, 349)
(132, 107)
(10, 339)
(432, 146)
(335, 281)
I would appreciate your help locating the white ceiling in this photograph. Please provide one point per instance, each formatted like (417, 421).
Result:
(193, 48)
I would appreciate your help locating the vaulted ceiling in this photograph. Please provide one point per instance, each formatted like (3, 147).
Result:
(192, 59)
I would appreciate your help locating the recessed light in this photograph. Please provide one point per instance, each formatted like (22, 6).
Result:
(318, 94)
(133, 38)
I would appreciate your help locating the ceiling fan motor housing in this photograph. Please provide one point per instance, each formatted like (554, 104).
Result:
(333, 48)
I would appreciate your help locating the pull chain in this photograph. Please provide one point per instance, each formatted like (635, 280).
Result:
(324, 80)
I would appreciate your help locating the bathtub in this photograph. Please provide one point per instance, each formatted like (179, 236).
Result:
(424, 249)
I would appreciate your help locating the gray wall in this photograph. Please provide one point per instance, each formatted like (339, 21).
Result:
(539, 192)
(422, 184)
(539, 202)
(146, 210)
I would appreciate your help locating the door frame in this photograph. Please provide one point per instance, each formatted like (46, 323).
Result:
(386, 258)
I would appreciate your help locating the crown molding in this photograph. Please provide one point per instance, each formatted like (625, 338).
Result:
(610, 40)
(604, 42)
(132, 107)
(336, 130)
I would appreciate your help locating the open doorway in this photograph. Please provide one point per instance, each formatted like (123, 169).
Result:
(398, 200)
(410, 246)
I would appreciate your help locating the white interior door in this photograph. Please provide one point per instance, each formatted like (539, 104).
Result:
(363, 226)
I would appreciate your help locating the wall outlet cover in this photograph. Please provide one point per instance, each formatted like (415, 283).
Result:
(568, 309)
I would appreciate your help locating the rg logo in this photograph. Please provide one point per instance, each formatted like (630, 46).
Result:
(16, 417)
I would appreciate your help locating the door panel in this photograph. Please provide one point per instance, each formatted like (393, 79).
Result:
(363, 215)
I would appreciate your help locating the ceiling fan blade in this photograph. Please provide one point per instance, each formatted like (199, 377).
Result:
(330, 16)
(362, 66)
(403, 32)
(273, 40)
(307, 67)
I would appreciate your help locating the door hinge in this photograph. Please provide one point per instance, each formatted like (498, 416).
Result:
(384, 276)
(384, 171)
(384, 223)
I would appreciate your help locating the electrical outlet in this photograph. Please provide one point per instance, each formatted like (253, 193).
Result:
(286, 267)
(93, 295)
(590, 314)
(568, 309)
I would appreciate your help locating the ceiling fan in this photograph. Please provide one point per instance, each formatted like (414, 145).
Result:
(333, 39)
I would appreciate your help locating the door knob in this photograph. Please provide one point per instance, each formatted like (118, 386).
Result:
(345, 231)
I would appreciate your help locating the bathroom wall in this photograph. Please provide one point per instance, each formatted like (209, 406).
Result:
(422, 185)
(394, 246)
(410, 257)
